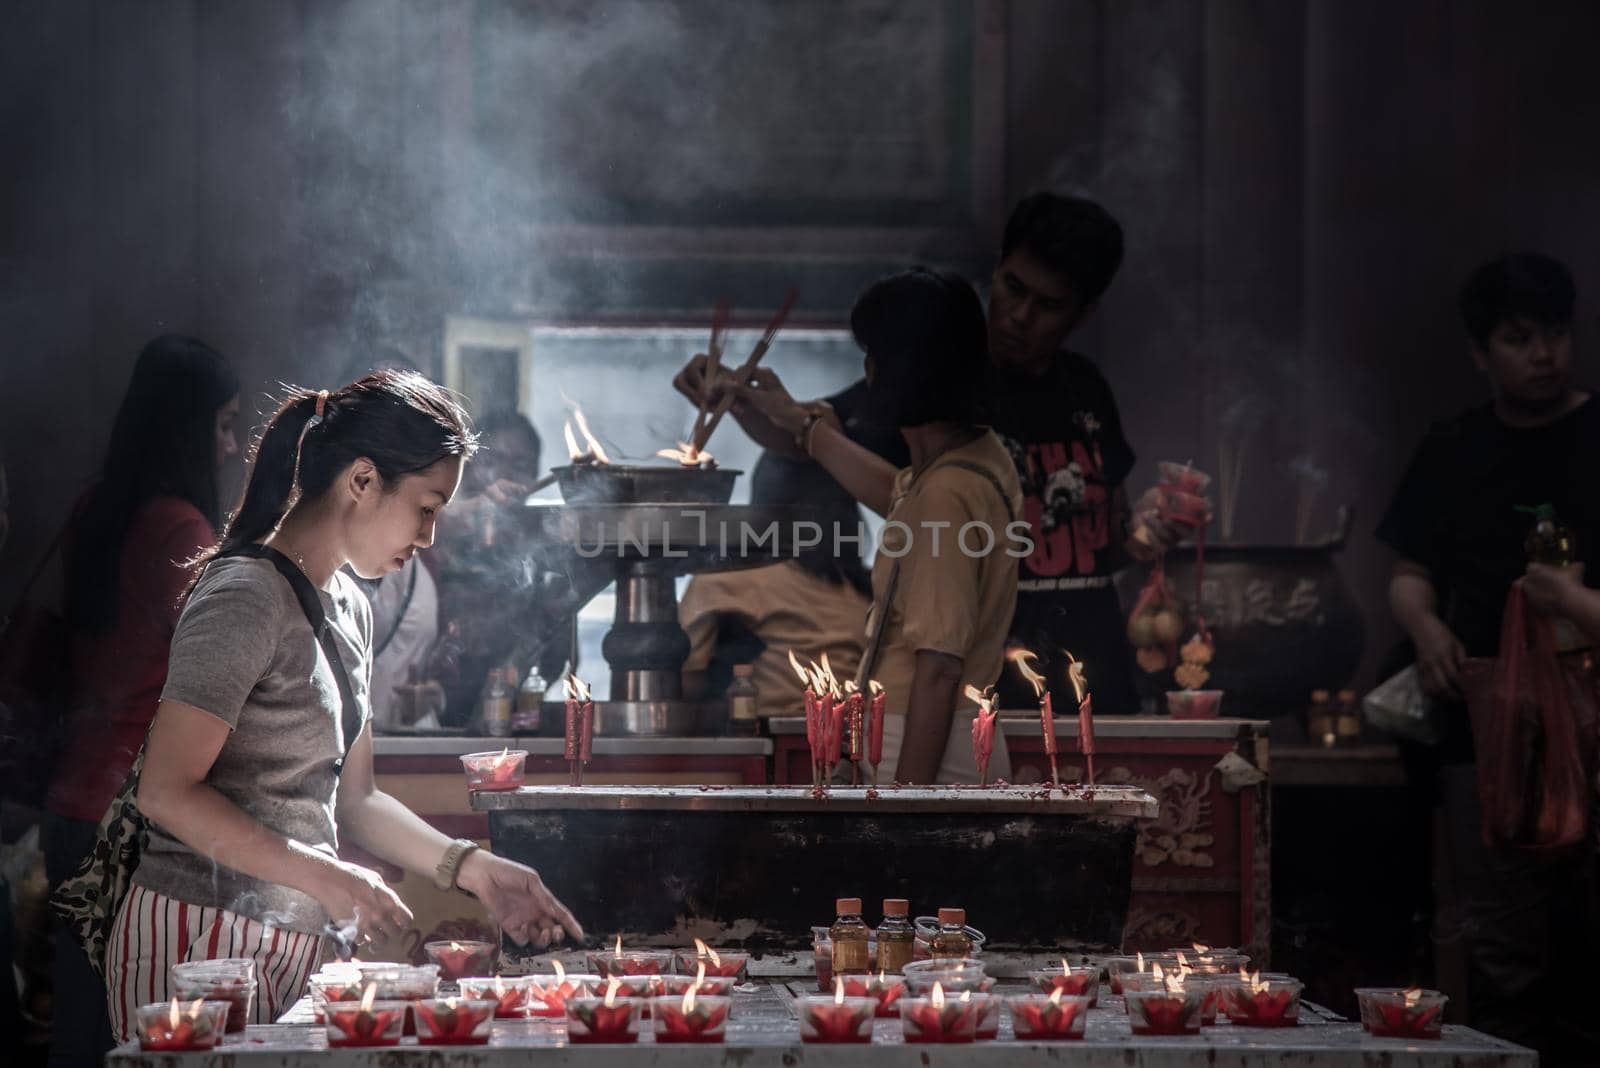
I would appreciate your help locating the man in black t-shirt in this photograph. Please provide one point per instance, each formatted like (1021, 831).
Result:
(1459, 523)
(1056, 415)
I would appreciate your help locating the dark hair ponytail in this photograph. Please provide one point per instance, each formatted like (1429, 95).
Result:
(399, 420)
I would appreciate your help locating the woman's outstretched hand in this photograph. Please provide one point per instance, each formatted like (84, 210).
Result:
(517, 900)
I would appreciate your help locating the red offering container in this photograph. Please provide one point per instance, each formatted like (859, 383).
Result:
(630, 962)
(494, 771)
(511, 995)
(1048, 1018)
(237, 991)
(730, 963)
(548, 994)
(941, 1018)
(1396, 1013)
(457, 959)
(1163, 1012)
(885, 990)
(691, 1018)
(1084, 981)
(1262, 1002)
(836, 1018)
(453, 1021)
(365, 1023)
(181, 1027)
(608, 1019)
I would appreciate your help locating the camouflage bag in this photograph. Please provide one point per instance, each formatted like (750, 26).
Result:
(87, 901)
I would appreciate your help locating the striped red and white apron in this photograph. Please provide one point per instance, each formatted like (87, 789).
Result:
(153, 932)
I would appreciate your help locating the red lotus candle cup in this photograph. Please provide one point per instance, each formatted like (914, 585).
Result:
(511, 994)
(940, 1017)
(607, 1019)
(238, 992)
(337, 986)
(181, 1026)
(1396, 1013)
(886, 990)
(458, 959)
(1083, 981)
(630, 961)
(1211, 988)
(548, 994)
(405, 982)
(454, 1021)
(367, 1022)
(1163, 1011)
(494, 771)
(1117, 968)
(837, 1017)
(691, 1018)
(719, 962)
(1053, 1017)
(1194, 704)
(1262, 1002)
(678, 985)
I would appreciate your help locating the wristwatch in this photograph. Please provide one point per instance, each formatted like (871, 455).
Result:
(444, 876)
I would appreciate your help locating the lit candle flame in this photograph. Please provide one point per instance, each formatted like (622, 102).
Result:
(838, 990)
(455, 947)
(966, 996)
(805, 676)
(575, 689)
(1020, 657)
(1055, 995)
(499, 988)
(688, 1001)
(936, 999)
(979, 697)
(1160, 976)
(611, 991)
(1201, 948)
(1080, 685)
(875, 686)
(369, 997)
(706, 951)
(573, 452)
(561, 973)
(593, 445)
(827, 675)
(1183, 962)
(1139, 959)
(1412, 996)
(687, 455)
(619, 947)
(172, 1017)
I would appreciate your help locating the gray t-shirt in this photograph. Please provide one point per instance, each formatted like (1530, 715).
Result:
(244, 652)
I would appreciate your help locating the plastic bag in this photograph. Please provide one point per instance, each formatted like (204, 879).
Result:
(1532, 726)
(1398, 706)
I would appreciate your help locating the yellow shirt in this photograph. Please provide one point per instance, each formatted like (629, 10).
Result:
(948, 599)
(787, 607)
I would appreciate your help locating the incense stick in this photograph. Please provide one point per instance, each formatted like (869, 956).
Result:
(743, 374)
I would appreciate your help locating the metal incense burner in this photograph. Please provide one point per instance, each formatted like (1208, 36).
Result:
(644, 547)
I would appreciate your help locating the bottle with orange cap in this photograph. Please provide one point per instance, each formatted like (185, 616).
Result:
(850, 950)
(897, 939)
(951, 942)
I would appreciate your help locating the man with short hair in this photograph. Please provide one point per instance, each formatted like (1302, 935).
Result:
(1057, 417)
(1460, 522)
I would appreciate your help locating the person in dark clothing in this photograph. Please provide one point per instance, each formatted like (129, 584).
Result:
(1459, 523)
(1056, 415)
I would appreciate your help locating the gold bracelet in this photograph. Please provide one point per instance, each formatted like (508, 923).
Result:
(444, 876)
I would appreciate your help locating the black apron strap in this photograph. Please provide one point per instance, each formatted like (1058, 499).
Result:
(311, 605)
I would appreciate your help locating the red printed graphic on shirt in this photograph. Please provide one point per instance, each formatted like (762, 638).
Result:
(1067, 505)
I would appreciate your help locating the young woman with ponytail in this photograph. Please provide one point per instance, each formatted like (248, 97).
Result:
(257, 766)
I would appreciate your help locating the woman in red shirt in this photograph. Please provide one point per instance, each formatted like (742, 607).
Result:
(155, 506)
